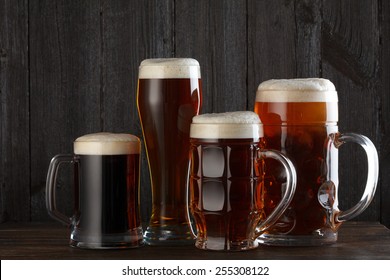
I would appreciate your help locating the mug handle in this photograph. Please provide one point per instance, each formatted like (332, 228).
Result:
(338, 139)
(51, 181)
(287, 191)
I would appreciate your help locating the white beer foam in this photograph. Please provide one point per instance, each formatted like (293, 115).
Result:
(169, 68)
(105, 143)
(228, 118)
(297, 90)
(229, 125)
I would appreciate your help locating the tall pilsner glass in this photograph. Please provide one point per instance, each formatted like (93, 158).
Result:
(169, 95)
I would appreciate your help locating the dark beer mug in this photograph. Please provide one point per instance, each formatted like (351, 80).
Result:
(300, 120)
(106, 171)
(227, 181)
(169, 95)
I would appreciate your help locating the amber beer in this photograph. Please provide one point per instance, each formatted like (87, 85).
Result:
(226, 180)
(106, 213)
(300, 119)
(169, 95)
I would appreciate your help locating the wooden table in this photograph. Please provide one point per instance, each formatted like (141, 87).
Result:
(357, 240)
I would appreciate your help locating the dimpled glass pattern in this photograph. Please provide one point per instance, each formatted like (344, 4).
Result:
(226, 192)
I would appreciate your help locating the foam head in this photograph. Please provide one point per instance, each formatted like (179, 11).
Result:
(169, 68)
(297, 90)
(230, 125)
(107, 144)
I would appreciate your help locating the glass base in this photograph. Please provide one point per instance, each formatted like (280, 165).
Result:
(221, 244)
(169, 236)
(318, 238)
(130, 239)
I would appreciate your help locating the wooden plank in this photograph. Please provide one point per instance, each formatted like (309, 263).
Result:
(131, 32)
(384, 90)
(65, 70)
(283, 41)
(357, 241)
(14, 112)
(214, 33)
(350, 47)
(130, 35)
(308, 38)
(271, 43)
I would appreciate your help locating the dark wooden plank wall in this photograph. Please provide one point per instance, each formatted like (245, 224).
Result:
(68, 68)
(14, 112)
(383, 95)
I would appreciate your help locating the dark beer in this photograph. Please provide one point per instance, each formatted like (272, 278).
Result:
(108, 193)
(298, 123)
(107, 185)
(169, 95)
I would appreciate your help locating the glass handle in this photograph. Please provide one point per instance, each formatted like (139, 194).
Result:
(188, 201)
(372, 172)
(287, 191)
(50, 187)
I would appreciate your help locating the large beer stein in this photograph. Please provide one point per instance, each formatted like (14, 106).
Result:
(106, 178)
(300, 119)
(169, 95)
(226, 181)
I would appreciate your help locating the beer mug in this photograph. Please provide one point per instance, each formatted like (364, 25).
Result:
(169, 95)
(226, 181)
(106, 211)
(300, 120)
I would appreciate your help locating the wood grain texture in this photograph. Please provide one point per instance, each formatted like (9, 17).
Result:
(14, 112)
(129, 36)
(271, 43)
(383, 92)
(65, 98)
(214, 33)
(357, 241)
(308, 38)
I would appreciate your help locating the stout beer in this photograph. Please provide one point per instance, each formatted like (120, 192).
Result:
(106, 191)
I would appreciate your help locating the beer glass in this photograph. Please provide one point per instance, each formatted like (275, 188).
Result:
(226, 181)
(106, 177)
(169, 95)
(300, 120)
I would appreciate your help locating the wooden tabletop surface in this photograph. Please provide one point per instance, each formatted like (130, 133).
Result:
(357, 240)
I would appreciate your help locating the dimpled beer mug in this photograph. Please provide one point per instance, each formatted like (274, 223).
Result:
(226, 181)
(169, 95)
(300, 120)
(106, 177)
